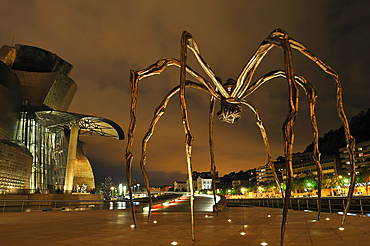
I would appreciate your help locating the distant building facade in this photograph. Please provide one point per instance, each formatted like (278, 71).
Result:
(362, 156)
(303, 166)
(180, 186)
(264, 174)
(204, 183)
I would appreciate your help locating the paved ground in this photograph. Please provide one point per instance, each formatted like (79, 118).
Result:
(112, 227)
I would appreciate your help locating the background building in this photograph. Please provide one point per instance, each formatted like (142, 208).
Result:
(38, 146)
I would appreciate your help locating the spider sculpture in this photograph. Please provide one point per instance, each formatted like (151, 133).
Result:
(232, 95)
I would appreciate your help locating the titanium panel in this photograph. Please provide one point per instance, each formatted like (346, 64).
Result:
(10, 101)
(7, 54)
(83, 173)
(15, 167)
(61, 93)
(36, 86)
(34, 59)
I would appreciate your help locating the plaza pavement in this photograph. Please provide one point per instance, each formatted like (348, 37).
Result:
(112, 227)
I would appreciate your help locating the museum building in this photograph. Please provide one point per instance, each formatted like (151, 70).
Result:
(39, 146)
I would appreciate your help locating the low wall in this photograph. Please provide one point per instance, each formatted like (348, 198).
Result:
(221, 205)
(77, 196)
(14, 202)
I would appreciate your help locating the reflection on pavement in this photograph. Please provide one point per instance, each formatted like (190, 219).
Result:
(202, 203)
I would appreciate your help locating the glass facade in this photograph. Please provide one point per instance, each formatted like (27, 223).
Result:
(48, 148)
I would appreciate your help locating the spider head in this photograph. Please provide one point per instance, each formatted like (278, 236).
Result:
(230, 112)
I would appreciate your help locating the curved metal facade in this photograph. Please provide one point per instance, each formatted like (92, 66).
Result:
(10, 101)
(34, 59)
(83, 173)
(15, 167)
(44, 78)
(61, 93)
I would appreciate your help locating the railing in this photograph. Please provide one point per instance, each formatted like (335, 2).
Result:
(55, 205)
(360, 205)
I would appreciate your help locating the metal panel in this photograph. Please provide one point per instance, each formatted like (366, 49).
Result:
(36, 86)
(61, 93)
(10, 101)
(15, 167)
(83, 173)
(35, 59)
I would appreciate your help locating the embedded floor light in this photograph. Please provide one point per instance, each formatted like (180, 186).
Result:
(341, 228)
(174, 243)
(132, 226)
(327, 219)
(268, 215)
(264, 243)
(155, 222)
(206, 216)
(229, 220)
(242, 233)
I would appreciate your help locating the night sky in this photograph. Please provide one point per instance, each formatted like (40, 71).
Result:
(105, 39)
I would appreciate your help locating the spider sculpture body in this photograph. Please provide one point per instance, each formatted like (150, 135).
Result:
(232, 95)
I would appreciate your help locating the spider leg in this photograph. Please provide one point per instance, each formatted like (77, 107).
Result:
(311, 95)
(136, 76)
(350, 141)
(288, 127)
(185, 121)
(193, 46)
(265, 140)
(157, 115)
(213, 166)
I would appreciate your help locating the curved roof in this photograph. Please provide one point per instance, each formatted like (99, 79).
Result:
(88, 125)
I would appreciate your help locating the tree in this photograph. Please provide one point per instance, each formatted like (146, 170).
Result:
(297, 185)
(107, 185)
(330, 181)
(364, 177)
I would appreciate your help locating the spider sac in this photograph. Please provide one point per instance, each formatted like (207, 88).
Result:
(230, 109)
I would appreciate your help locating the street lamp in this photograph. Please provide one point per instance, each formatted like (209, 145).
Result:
(260, 190)
(112, 188)
(120, 189)
(309, 187)
(124, 190)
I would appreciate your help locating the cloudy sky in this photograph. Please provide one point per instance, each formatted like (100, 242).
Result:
(105, 39)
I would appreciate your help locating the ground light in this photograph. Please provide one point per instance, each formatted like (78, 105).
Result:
(174, 243)
(132, 226)
(229, 220)
(242, 233)
(264, 243)
(155, 222)
(341, 228)
(327, 219)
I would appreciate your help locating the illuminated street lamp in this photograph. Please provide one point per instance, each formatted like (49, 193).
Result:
(260, 190)
(120, 190)
(309, 188)
(112, 188)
